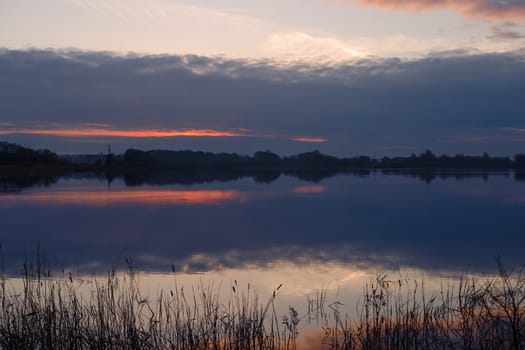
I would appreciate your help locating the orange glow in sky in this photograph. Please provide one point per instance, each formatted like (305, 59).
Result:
(141, 197)
(87, 132)
(106, 131)
(308, 139)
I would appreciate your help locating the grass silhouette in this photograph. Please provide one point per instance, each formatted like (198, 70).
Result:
(44, 312)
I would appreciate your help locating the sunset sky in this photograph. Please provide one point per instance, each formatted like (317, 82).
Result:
(347, 77)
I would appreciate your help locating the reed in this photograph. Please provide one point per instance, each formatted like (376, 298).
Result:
(42, 312)
(111, 313)
(487, 313)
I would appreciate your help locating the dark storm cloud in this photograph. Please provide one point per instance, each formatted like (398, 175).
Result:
(360, 105)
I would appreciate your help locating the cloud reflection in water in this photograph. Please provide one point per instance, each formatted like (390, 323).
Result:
(382, 221)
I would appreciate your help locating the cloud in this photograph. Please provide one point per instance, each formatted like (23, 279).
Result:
(299, 45)
(501, 135)
(520, 130)
(90, 132)
(506, 31)
(360, 105)
(104, 130)
(137, 11)
(176, 26)
(308, 139)
(484, 9)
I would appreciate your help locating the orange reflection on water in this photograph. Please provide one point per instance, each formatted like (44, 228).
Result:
(309, 189)
(141, 197)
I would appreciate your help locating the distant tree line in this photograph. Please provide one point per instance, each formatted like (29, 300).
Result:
(140, 167)
(13, 154)
(261, 159)
(459, 161)
(313, 160)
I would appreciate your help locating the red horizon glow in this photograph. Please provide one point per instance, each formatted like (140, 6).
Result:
(308, 139)
(144, 133)
(104, 130)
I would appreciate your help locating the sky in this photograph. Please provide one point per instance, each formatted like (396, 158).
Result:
(346, 77)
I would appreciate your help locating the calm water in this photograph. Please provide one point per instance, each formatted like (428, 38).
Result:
(375, 220)
(331, 234)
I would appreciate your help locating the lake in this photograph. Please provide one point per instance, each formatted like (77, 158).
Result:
(310, 233)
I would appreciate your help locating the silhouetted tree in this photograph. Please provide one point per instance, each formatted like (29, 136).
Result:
(519, 161)
(267, 157)
(13, 154)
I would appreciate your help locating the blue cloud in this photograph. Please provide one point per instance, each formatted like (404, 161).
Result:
(361, 106)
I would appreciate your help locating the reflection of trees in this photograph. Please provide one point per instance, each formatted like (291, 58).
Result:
(183, 177)
(189, 177)
(266, 176)
(312, 176)
(429, 176)
(194, 167)
(15, 184)
(192, 177)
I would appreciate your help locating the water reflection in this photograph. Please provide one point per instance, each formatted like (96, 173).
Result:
(143, 197)
(309, 189)
(10, 185)
(382, 220)
(311, 289)
(195, 177)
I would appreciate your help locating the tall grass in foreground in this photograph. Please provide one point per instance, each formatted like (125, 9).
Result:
(111, 313)
(475, 313)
